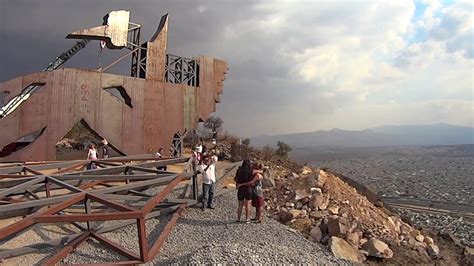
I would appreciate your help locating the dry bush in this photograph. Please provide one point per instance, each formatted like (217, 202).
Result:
(268, 152)
(229, 137)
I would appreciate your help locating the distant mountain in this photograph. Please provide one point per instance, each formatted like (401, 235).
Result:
(423, 135)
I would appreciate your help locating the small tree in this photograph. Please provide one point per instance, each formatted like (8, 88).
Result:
(246, 142)
(214, 123)
(283, 149)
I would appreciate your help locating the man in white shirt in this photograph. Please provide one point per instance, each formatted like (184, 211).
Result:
(208, 171)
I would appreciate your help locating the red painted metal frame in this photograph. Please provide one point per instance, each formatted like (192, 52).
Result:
(56, 214)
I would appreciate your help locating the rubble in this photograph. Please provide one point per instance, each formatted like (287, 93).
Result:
(377, 248)
(341, 249)
(327, 210)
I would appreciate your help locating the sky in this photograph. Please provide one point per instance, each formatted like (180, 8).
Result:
(294, 66)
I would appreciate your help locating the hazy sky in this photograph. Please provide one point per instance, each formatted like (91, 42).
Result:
(294, 65)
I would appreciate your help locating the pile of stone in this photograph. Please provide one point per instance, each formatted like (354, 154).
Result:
(67, 143)
(327, 210)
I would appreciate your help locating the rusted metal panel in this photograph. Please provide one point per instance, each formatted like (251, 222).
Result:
(153, 117)
(206, 103)
(13, 87)
(132, 130)
(190, 108)
(111, 107)
(61, 84)
(156, 55)
(173, 95)
(87, 96)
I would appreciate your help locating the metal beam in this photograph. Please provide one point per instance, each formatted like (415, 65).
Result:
(67, 249)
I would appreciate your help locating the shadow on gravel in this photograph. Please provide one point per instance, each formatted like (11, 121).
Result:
(195, 222)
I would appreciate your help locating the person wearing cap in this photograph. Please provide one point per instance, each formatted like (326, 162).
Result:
(208, 171)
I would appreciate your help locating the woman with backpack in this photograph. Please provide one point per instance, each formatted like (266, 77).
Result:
(244, 192)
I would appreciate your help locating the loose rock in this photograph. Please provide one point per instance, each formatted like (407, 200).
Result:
(377, 248)
(341, 249)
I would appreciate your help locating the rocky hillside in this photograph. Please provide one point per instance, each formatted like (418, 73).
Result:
(327, 210)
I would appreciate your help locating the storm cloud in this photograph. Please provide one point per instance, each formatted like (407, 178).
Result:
(294, 65)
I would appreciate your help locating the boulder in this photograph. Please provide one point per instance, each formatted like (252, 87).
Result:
(268, 181)
(377, 248)
(319, 201)
(338, 226)
(429, 240)
(316, 234)
(294, 213)
(306, 170)
(301, 194)
(321, 179)
(299, 205)
(285, 216)
(289, 205)
(316, 215)
(315, 190)
(341, 249)
(353, 239)
(302, 224)
(420, 238)
(433, 251)
(469, 255)
(333, 210)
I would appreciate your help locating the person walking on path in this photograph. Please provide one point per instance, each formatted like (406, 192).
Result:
(208, 171)
(258, 201)
(244, 193)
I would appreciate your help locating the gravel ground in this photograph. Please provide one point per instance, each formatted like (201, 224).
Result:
(213, 236)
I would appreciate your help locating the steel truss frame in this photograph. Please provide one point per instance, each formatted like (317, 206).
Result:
(102, 194)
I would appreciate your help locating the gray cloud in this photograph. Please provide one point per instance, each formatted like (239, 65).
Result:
(268, 46)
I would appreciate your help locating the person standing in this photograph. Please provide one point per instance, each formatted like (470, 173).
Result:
(208, 171)
(244, 193)
(258, 200)
(159, 155)
(105, 149)
(92, 156)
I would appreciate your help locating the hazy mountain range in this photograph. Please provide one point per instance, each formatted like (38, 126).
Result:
(436, 134)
